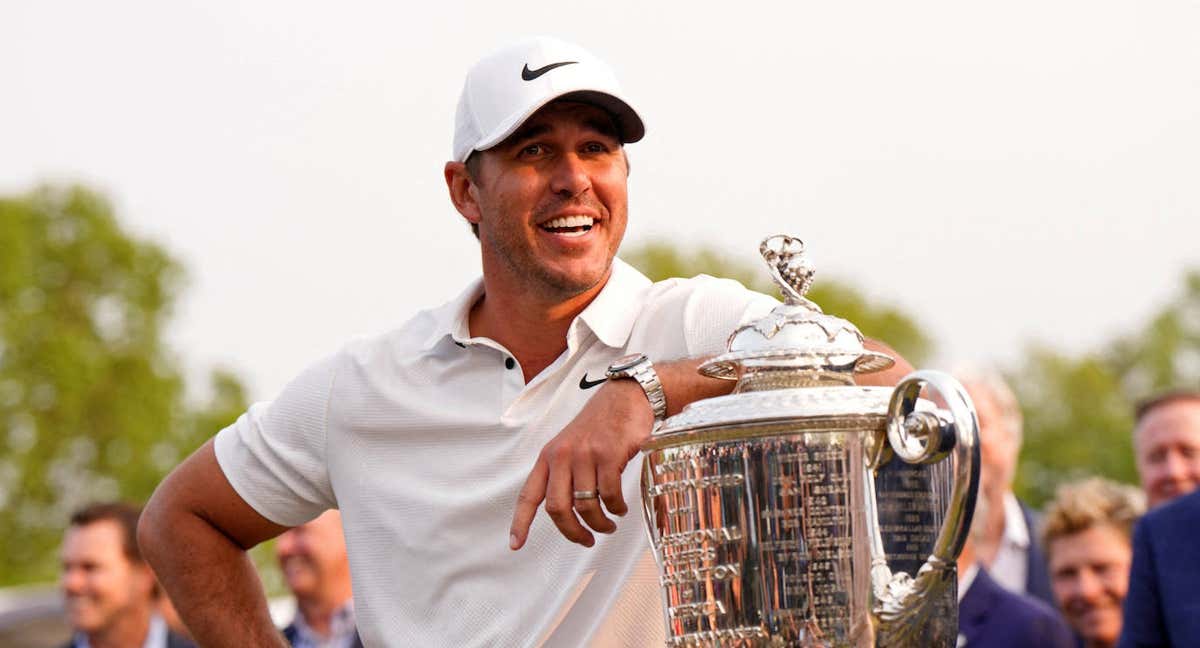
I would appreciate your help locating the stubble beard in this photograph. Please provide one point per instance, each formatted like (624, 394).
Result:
(535, 277)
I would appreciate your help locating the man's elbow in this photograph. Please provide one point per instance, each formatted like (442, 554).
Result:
(158, 518)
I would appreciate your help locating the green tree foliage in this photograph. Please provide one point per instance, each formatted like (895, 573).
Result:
(883, 322)
(1079, 410)
(92, 404)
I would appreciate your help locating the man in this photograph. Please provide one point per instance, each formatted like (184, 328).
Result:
(1163, 606)
(109, 592)
(1006, 543)
(424, 437)
(317, 571)
(1087, 530)
(992, 616)
(1166, 444)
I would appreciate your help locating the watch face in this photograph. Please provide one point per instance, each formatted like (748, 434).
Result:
(625, 362)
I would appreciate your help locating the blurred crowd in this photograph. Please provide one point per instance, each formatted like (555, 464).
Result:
(112, 599)
(1090, 569)
(1085, 570)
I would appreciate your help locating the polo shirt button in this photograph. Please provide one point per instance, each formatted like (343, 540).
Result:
(509, 363)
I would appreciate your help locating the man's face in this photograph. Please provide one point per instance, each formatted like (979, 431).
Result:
(997, 446)
(552, 201)
(313, 555)
(1089, 573)
(1167, 445)
(99, 582)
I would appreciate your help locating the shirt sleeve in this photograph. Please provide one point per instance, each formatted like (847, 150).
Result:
(274, 455)
(715, 309)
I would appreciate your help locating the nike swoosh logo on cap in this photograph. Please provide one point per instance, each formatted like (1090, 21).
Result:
(584, 383)
(530, 75)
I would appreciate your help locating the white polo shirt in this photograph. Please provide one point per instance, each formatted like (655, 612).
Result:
(423, 438)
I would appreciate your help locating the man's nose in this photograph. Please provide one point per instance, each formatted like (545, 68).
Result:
(570, 176)
(1088, 586)
(71, 580)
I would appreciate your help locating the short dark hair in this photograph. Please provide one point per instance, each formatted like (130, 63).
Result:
(472, 164)
(124, 514)
(1145, 405)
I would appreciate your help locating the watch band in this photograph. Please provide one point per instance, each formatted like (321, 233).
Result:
(639, 368)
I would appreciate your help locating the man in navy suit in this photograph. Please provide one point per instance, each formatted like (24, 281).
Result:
(1163, 606)
(1007, 543)
(990, 616)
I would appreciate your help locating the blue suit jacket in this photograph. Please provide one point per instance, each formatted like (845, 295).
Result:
(1037, 574)
(990, 616)
(1162, 607)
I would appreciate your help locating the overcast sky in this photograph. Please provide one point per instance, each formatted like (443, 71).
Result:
(1007, 172)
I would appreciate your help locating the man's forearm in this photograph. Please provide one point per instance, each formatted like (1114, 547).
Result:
(683, 384)
(194, 532)
(210, 580)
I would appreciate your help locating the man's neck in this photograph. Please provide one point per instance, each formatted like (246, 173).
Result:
(318, 613)
(987, 544)
(128, 628)
(534, 328)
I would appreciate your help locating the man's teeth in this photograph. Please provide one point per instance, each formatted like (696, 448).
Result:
(573, 225)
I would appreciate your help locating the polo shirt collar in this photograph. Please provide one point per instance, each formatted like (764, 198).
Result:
(452, 318)
(612, 313)
(610, 316)
(1016, 532)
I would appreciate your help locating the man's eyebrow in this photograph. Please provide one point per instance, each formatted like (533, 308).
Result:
(603, 126)
(526, 133)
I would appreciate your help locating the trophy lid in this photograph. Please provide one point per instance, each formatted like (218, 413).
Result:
(796, 345)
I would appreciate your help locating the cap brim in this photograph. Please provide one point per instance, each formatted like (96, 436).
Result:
(629, 124)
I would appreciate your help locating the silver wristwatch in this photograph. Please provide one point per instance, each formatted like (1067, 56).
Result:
(638, 367)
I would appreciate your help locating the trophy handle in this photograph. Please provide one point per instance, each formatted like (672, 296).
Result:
(928, 437)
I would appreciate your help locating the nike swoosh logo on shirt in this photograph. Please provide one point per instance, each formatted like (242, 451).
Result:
(530, 75)
(584, 383)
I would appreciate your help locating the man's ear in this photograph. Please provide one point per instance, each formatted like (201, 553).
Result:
(462, 191)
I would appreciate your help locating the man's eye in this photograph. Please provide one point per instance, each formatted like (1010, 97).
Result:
(595, 147)
(532, 149)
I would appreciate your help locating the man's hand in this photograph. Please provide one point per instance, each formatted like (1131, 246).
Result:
(589, 454)
(593, 450)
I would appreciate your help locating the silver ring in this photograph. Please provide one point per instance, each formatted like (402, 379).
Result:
(586, 495)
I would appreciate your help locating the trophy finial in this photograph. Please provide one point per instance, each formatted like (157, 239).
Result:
(790, 269)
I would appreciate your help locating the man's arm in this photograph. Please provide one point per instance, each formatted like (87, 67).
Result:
(593, 450)
(195, 532)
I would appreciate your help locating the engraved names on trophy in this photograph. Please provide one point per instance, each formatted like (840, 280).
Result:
(698, 549)
(909, 514)
(806, 512)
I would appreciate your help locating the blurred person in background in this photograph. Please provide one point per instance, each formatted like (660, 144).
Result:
(1163, 606)
(313, 559)
(991, 616)
(1166, 444)
(1006, 543)
(110, 594)
(1087, 537)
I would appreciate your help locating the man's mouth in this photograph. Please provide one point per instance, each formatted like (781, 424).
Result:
(576, 225)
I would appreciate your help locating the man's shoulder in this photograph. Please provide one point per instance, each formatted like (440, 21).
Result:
(998, 609)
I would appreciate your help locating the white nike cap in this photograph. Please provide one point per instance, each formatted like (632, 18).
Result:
(507, 86)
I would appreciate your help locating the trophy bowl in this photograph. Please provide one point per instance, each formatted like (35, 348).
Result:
(802, 509)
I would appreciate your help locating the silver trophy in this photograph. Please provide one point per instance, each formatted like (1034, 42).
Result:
(803, 510)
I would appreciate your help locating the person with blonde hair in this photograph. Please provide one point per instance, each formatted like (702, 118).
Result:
(1087, 532)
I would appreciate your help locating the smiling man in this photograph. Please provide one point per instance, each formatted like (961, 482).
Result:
(1166, 445)
(109, 592)
(440, 441)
